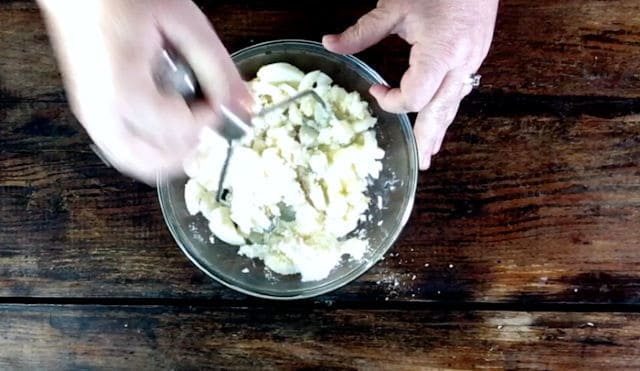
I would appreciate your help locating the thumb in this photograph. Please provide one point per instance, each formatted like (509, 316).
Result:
(370, 29)
(188, 29)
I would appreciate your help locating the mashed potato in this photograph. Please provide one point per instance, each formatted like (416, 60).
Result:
(298, 183)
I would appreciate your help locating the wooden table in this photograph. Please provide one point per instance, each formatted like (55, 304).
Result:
(523, 250)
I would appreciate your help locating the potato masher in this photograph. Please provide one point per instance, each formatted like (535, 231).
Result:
(173, 74)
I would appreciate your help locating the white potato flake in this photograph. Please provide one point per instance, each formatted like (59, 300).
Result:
(222, 226)
(279, 72)
(193, 192)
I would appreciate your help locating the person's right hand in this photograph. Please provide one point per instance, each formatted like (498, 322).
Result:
(107, 50)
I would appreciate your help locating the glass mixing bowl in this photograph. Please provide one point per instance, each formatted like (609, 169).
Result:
(395, 189)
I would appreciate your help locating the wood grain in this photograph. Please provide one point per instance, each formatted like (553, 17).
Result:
(71, 337)
(568, 48)
(507, 190)
(577, 48)
(516, 209)
(27, 66)
(534, 203)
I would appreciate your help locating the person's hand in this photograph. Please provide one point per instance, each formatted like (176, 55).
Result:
(449, 39)
(107, 51)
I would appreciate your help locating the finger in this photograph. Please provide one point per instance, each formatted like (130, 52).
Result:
(417, 87)
(136, 156)
(433, 121)
(453, 110)
(188, 29)
(368, 30)
(163, 122)
(439, 137)
(151, 133)
(424, 133)
(144, 162)
(129, 154)
(167, 122)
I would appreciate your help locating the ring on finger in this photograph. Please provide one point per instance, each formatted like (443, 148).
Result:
(473, 80)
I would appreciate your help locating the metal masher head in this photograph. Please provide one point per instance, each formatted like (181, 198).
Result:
(175, 75)
(223, 196)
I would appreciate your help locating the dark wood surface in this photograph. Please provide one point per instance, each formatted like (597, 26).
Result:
(529, 218)
(115, 337)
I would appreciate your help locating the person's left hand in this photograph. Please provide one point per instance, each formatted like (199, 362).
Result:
(449, 42)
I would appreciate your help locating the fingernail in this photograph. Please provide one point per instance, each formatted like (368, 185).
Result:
(378, 88)
(328, 39)
(436, 149)
(425, 160)
(376, 92)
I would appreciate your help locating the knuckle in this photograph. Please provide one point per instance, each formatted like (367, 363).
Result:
(475, 59)
(448, 54)
(356, 31)
(449, 117)
(451, 53)
(443, 114)
(403, 6)
(412, 106)
(366, 23)
(465, 91)
(412, 103)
